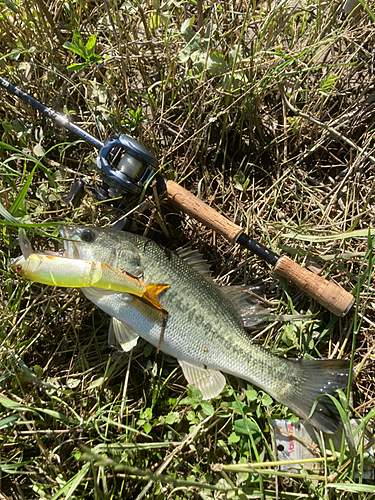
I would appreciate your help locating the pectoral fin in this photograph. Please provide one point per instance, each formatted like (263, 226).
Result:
(209, 382)
(122, 334)
(151, 294)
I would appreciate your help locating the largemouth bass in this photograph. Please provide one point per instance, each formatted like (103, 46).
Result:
(204, 330)
(67, 272)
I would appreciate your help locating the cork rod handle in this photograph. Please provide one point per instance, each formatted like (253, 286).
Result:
(328, 294)
(194, 207)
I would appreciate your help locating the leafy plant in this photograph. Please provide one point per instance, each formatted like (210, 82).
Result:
(136, 117)
(84, 51)
(328, 83)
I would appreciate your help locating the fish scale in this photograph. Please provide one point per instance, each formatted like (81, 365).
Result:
(203, 330)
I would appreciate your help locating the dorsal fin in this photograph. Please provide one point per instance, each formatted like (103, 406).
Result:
(249, 311)
(196, 261)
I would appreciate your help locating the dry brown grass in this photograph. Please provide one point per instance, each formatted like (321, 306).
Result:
(270, 119)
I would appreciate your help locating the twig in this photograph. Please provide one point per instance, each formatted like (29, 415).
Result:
(124, 392)
(164, 324)
(333, 131)
(330, 129)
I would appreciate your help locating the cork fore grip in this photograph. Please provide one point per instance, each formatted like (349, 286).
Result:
(328, 294)
(196, 208)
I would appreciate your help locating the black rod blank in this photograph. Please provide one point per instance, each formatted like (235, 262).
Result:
(53, 115)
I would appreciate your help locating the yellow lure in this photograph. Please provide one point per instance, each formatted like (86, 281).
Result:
(60, 271)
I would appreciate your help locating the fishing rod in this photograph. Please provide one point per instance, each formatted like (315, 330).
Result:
(126, 167)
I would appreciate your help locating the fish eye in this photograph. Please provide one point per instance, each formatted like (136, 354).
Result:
(87, 235)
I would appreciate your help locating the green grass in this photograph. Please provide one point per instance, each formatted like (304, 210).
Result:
(266, 111)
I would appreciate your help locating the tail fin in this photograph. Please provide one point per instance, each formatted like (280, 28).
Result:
(315, 377)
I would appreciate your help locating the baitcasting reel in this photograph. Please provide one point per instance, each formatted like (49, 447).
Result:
(125, 165)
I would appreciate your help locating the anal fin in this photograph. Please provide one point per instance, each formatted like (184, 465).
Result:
(209, 382)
